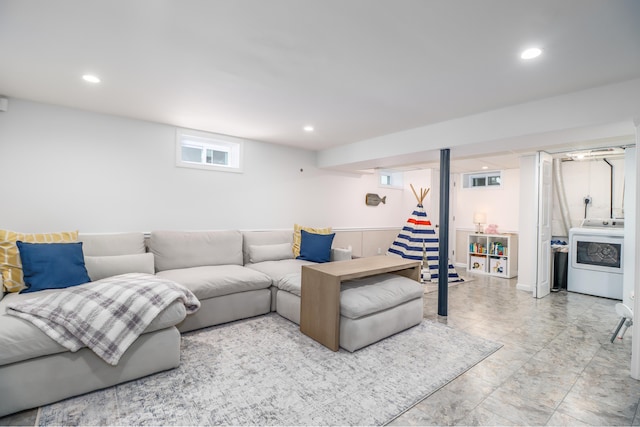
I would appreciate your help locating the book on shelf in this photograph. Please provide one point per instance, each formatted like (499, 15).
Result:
(498, 249)
(477, 248)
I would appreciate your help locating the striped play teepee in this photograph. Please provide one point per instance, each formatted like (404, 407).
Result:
(418, 241)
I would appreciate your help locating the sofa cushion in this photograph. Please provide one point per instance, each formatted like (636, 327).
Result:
(52, 265)
(112, 244)
(315, 247)
(21, 340)
(276, 252)
(10, 264)
(361, 297)
(274, 237)
(276, 270)
(214, 281)
(291, 283)
(100, 267)
(184, 249)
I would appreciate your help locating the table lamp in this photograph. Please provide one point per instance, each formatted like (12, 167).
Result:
(479, 218)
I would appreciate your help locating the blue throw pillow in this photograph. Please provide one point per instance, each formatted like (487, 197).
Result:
(315, 247)
(52, 265)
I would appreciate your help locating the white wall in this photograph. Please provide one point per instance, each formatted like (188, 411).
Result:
(500, 204)
(421, 179)
(70, 169)
(589, 178)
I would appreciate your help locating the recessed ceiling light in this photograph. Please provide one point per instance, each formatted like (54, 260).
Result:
(90, 78)
(531, 53)
(308, 128)
(485, 167)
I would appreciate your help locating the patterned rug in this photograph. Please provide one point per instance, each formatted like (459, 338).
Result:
(263, 371)
(433, 287)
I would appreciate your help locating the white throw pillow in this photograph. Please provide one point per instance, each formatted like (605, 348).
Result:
(340, 254)
(100, 267)
(260, 253)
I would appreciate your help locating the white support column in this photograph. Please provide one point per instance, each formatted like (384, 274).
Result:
(635, 342)
(629, 212)
(527, 230)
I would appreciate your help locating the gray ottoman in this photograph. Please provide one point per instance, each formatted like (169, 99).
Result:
(371, 308)
(376, 307)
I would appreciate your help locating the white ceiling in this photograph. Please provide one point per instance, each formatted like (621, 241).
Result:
(356, 69)
(595, 149)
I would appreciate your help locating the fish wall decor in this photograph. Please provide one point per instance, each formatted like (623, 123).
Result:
(374, 200)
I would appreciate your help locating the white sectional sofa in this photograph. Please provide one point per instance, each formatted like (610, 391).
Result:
(35, 370)
(371, 309)
(234, 274)
(285, 297)
(210, 264)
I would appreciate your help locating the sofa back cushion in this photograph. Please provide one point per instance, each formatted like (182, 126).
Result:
(185, 249)
(277, 252)
(112, 244)
(263, 238)
(101, 267)
(112, 254)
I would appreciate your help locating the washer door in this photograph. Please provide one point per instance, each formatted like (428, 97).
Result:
(597, 253)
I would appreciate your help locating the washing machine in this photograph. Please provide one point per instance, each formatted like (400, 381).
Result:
(596, 258)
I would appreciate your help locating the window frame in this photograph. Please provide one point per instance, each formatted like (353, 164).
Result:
(487, 176)
(210, 141)
(395, 179)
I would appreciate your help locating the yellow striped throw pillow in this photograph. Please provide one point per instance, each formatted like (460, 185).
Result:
(297, 236)
(10, 264)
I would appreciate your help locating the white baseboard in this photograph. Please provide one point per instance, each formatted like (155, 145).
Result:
(523, 287)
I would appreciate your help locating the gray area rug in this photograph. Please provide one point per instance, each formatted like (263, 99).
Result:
(433, 287)
(264, 371)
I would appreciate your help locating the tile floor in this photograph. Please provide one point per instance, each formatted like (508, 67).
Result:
(557, 366)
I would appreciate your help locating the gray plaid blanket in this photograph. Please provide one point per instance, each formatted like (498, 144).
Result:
(106, 316)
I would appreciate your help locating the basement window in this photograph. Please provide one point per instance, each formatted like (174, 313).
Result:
(203, 150)
(390, 179)
(482, 179)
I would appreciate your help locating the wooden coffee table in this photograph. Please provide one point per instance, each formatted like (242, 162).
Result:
(320, 299)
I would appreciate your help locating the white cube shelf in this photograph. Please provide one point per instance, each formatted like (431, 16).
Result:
(493, 254)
